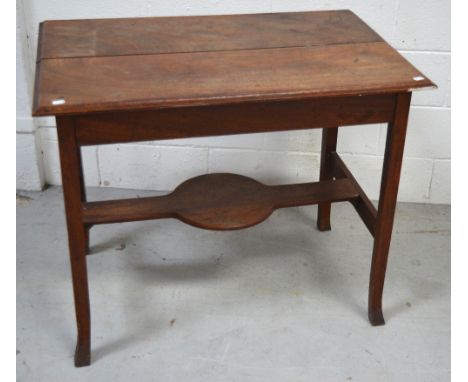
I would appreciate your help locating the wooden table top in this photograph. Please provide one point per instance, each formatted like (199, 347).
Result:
(86, 66)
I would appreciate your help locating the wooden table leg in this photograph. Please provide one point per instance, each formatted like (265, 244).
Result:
(87, 229)
(73, 191)
(396, 134)
(83, 195)
(329, 138)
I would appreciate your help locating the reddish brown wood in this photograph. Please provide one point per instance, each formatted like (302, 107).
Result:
(364, 207)
(396, 134)
(233, 119)
(87, 240)
(87, 227)
(88, 69)
(147, 81)
(73, 192)
(154, 35)
(219, 202)
(329, 138)
(125, 80)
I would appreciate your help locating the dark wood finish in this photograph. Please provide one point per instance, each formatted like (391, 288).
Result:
(147, 81)
(87, 227)
(105, 74)
(219, 202)
(73, 192)
(155, 35)
(396, 134)
(364, 207)
(126, 80)
(232, 119)
(329, 139)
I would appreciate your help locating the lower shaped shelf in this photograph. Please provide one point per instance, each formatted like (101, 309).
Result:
(220, 201)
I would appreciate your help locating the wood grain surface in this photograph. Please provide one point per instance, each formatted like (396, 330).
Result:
(220, 201)
(126, 80)
(88, 66)
(132, 126)
(153, 35)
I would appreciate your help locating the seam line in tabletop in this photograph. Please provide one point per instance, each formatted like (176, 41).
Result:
(209, 51)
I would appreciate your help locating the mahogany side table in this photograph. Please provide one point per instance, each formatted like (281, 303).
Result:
(125, 80)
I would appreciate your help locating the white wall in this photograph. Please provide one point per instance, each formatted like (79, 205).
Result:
(29, 163)
(420, 30)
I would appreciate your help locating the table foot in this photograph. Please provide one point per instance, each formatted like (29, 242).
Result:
(323, 226)
(376, 318)
(82, 355)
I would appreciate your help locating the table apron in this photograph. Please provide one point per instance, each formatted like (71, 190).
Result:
(242, 118)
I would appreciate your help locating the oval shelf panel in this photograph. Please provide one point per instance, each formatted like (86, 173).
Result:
(222, 201)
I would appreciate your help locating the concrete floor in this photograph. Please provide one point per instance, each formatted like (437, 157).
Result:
(276, 302)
